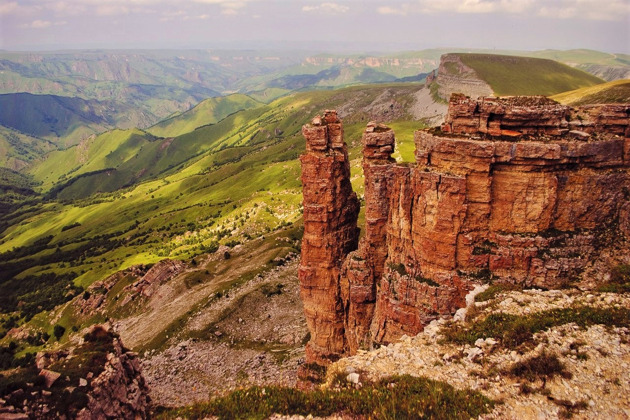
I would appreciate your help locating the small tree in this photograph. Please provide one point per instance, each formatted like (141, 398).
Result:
(59, 331)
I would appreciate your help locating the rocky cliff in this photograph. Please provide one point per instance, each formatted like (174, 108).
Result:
(517, 190)
(456, 77)
(330, 233)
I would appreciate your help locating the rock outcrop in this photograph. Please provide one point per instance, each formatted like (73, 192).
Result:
(454, 76)
(519, 190)
(330, 233)
(97, 379)
(594, 355)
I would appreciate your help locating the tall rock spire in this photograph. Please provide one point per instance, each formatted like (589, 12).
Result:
(331, 209)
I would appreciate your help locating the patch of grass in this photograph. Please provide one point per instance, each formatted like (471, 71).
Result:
(568, 408)
(619, 280)
(396, 397)
(617, 91)
(484, 275)
(492, 291)
(33, 294)
(512, 75)
(515, 330)
(209, 111)
(544, 366)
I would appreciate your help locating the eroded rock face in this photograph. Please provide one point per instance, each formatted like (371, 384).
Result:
(331, 209)
(95, 379)
(360, 271)
(520, 116)
(454, 76)
(521, 190)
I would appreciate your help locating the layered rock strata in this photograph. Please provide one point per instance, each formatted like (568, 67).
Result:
(455, 76)
(331, 209)
(358, 288)
(520, 190)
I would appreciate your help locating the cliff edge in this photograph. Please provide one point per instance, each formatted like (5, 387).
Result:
(518, 190)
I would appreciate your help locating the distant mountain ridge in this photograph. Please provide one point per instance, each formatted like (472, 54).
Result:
(604, 65)
(140, 88)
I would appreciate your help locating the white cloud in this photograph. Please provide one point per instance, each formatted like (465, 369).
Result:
(228, 7)
(326, 8)
(176, 13)
(474, 6)
(557, 9)
(612, 10)
(112, 10)
(66, 7)
(8, 8)
(401, 11)
(37, 24)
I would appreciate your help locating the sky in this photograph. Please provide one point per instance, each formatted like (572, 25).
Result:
(349, 25)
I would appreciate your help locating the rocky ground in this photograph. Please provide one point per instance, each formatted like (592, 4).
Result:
(426, 108)
(254, 335)
(597, 359)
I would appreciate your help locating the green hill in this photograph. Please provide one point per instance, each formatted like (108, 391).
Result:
(512, 75)
(109, 150)
(616, 92)
(18, 150)
(206, 112)
(179, 197)
(51, 117)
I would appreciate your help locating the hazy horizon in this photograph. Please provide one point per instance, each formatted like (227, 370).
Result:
(340, 26)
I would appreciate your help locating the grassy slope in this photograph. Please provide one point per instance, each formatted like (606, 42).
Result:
(18, 150)
(583, 56)
(616, 92)
(510, 75)
(108, 150)
(224, 182)
(206, 112)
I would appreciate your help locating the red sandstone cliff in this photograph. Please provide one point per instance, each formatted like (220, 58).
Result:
(521, 190)
(330, 233)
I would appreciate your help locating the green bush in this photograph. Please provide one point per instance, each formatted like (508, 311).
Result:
(544, 366)
(59, 331)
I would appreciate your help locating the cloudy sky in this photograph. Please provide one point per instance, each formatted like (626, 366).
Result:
(328, 25)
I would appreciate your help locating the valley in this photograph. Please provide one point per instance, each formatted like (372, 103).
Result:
(160, 193)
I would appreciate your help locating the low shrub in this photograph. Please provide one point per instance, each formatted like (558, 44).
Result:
(492, 291)
(515, 330)
(619, 280)
(395, 397)
(544, 366)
